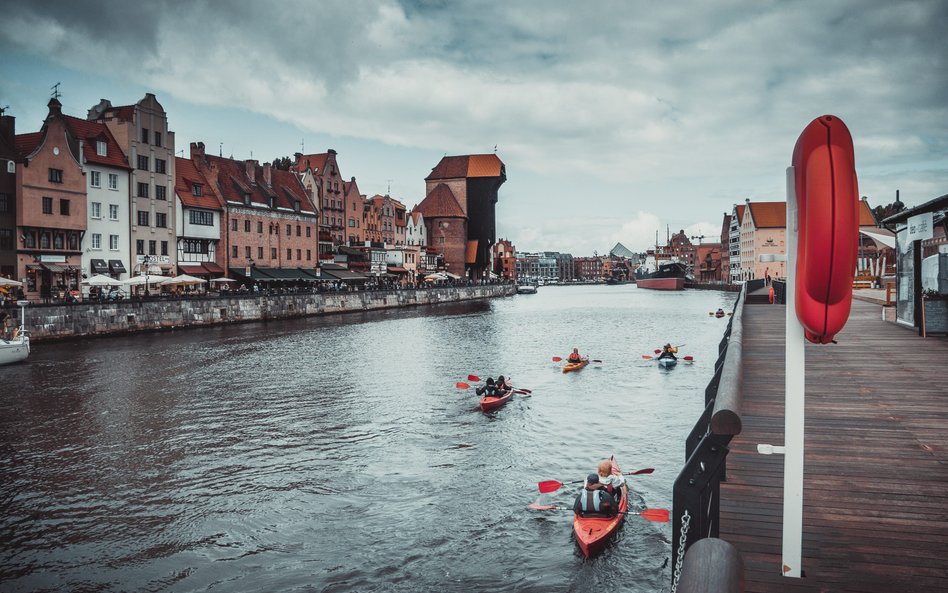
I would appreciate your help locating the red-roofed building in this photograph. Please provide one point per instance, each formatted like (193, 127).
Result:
(726, 248)
(734, 243)
(354, 204)
(105, 244)
(200, 251)
(51, 208)
(763, 240)
(505, 259)
(270, 222)
(708, 267)
(326, 187)
(141, 131)
(463, 215)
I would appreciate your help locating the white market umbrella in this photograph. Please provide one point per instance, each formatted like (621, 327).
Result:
(223, 280)
(139, 280)
(100, 280)
(185, 280)
(8, 282)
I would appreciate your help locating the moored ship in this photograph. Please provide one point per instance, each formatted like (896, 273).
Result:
(668, 276)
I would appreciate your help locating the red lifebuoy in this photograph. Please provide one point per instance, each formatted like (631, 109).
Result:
(771, 295)
(828, 223)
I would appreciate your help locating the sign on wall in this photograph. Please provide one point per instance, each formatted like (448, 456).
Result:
(920, 227)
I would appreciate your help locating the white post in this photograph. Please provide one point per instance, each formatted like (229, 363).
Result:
(794, 403)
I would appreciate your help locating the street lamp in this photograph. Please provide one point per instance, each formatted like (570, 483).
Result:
(146, 260)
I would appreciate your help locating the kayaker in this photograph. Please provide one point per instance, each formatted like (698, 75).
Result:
(487, 388)
(610, 477)
(668, 351)
(574, 357)
(501, 386)
(594, 500)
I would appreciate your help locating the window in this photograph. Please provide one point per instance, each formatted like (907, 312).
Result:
(95, 209)
(142, 162)
(30, 241)
(289, 255)
(299, 254)
(144, 135)
(233, 225)
(299, 230)
(289, 230)
(4, 202)
(260, 253)
(296, 206)
(96, 241)
(140, 247)
(56, 175)
(247, 226)
(101, 148)
(113, 181)
(113, 242)
(260, 226)
(113, 211)
(164, 248)
(197, 189)
(6, 239)
(202, 217)
(247, 252)
(273, 253)
(157, 138)
(246, 199)
(143, 218)
(161, 220)
(308, 232)
(161, 192)
(95, 179)
(64, 207)
(309, 255)
(142, 190)
(151, 247)
(325, 221)
(233, 251)
(58, 240)
(44, 240)
(161, 166)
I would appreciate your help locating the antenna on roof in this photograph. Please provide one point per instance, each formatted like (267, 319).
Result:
(389, 190)
(302, 146)
(55, 89)
(4, 109)
(495, 149)
(221, 151)
(251, 155)
(181, 152)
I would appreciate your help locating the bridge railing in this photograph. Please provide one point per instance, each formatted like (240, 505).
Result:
(696, 493)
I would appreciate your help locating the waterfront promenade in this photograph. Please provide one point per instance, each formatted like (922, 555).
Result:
(876, 465)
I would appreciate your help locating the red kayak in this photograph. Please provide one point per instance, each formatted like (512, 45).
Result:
(489, 403)
(592, 533)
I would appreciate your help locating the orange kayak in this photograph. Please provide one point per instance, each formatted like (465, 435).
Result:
(575, 366)
(492, 403)
(592, 533)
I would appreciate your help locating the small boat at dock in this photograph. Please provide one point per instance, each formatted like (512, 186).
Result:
(17, 347)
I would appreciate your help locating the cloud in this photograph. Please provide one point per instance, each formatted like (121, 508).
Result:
(677, 104)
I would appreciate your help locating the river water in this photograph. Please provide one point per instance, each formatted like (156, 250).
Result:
(336, 454)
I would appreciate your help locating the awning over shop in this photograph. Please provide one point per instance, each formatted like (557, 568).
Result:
(117, 266)
(881, 237)
(192, 269)
(99, 266)
(55, 268)
(212, 268)
(344, 275)
(397, 270)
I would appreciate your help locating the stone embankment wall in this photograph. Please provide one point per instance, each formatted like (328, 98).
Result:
(91, 319)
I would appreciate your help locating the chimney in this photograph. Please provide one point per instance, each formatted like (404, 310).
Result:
(55, 107)
(197, 151)
(251, 170)
(266, 174)
(331, 151)
(8, 130)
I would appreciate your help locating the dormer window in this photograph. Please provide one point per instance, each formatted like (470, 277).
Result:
(246, 198)
(197, 189)
(101, 148)
(273, 202)
(296, 205)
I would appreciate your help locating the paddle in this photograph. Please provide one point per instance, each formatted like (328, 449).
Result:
(557, 359)
(657, 515)
(688, 358)
(646, 357)
(553, 485)
(474, 378)
(461, 385)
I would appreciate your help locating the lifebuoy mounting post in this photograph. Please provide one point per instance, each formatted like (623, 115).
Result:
(822, 244)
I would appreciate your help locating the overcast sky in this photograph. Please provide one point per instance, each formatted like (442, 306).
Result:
(615, 119)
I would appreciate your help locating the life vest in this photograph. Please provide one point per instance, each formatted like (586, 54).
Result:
(590, 501)
(575, 358)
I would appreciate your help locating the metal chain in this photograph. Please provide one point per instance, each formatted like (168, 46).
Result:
(685, 522)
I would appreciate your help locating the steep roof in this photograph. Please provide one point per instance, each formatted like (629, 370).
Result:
(316, 162)
(440, 203)
(233, 182)
(416, 216)
(471, 165)
(769, 215)
(621, 250)
(866, 217)
(740, 213)
(186, 177)
(27, 143)
(90, 133)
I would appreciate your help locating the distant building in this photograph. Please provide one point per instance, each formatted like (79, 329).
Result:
(200, 223)
(505, 260)
(726, 248)
(465, 185)
(708, 267)
(326, 187)
(588, 268)
(763, 240)
(734, 243)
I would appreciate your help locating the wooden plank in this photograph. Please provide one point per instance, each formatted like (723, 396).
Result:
(875, 495)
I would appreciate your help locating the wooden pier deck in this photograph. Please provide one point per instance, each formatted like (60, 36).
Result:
(875, 514)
